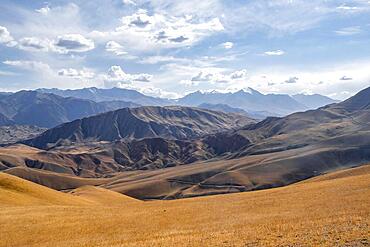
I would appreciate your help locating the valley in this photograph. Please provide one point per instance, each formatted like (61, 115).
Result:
(329, 210)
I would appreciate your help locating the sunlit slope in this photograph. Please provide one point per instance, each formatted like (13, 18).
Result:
(333, 211)
(15, 191)
(103, 197)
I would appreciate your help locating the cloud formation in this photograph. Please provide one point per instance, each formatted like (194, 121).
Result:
(35, 44)
(116, 48)
(292, 80)
(228, 45)
(28, 65)
(73, 43)
(274, 53)
(347, 31)
(216, 77)
(6, 38)
(78, 74)
(117, 77)
(142, 30)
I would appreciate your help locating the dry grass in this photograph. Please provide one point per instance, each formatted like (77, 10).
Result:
(331, 212)
(15, 191)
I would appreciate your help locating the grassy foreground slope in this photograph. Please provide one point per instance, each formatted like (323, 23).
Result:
(331, 211)
(15, 191)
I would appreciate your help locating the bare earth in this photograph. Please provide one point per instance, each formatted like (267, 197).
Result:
(330, 210)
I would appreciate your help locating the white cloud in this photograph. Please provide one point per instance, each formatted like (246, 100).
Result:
(274, 53)
(129, 2)
(73, 43)
(28, 65)
(35, 44)
(157, 92)
(291, 80)
(217, 77)
(239, 74)
(346, 7)
(161, 59)
(6, 38)
(228, 45)
(347, 31)
(117, 77)
(63, 44)
(142, 77)
(144, 31)
(203, 76)
(78, 74)
(355, 7)
(116, 48)
(44, 10)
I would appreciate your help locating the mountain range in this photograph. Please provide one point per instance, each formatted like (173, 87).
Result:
(111, 94)
(49, 110)
(251, 100)
(204, 152)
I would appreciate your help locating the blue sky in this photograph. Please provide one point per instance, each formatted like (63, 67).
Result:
(169, 48)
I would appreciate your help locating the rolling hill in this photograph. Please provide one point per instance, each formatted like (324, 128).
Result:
(15, 191)
(330, 210)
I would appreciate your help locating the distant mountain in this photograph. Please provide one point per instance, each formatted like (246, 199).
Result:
(313, 101)
(112, 94)
(249, 100)
(223, 108)
(254, 102)
(228, 109)
(299, 129)
(172, 122)
(49, 110)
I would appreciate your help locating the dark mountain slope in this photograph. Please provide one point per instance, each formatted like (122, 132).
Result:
(168, 122)
(49, 110)
(361, 101)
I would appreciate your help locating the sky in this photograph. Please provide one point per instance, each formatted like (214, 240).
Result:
(168, 48)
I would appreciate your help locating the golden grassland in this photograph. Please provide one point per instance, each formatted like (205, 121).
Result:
(331, 211)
